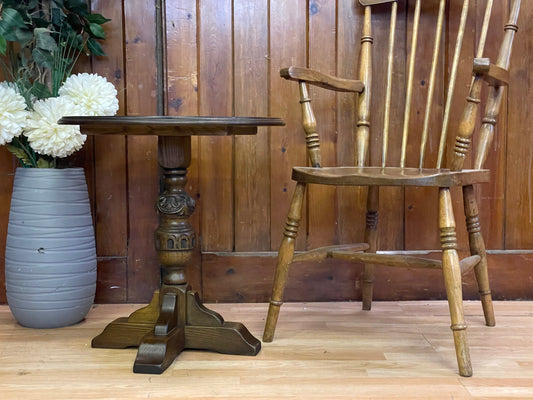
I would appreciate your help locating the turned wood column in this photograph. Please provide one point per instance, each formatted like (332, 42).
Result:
(175, 238)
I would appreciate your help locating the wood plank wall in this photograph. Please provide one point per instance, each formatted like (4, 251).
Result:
(223, 58)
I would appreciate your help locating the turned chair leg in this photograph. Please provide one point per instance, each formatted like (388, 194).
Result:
(452, 280)
(285, 256)
(371, 237)
(477, 246)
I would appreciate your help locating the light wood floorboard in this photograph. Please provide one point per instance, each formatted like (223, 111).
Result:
(399, 350)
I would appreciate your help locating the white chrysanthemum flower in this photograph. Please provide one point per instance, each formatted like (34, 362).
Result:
(46, 136)
(92, 92)
(13, 113)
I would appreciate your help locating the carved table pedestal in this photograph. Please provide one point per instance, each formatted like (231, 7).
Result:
(175, 319)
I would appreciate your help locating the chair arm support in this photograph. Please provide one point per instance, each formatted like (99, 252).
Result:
(494, 75)
(322, 80)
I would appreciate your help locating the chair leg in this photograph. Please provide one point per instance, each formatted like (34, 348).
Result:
(452, 280)
(371, 237)
(285, 256)
(477, 246)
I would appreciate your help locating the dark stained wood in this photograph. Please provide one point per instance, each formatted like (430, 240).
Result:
(269, 35)
(7, 165)
(288, 19)
(139, 35)
(215, 85)
(252, 154)
(182, 97)
(516, 189)
(110, 175)
(321, 205)
(247, 277)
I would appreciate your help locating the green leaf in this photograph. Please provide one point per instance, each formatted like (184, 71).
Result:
(97, 19)
(10, 23)
(97, 30)
(95, 47)
(43, 58)
(40, 91)
(11, 18)
(77, 6)
(20, 154)
(23, 36)
(42, 163)
(44, 40)
(3, 45)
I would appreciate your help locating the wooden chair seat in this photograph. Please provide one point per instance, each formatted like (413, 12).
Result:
(389, 176)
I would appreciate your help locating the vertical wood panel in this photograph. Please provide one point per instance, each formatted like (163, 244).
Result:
(351, 201)
(223, 58)
(391, 213)
(7, 166)
(322, 210)
(421, 203)
(110, 205)
(143, 188)
(216, 99)
(462, 86)
(182, 95)
(252, 153)
(288, 47)
(492, 195)
(519, 179)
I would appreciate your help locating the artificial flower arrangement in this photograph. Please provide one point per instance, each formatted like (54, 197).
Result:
(40, 42)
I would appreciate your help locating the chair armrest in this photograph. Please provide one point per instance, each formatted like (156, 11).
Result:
(494, 75)
(322, 80)
(373, 2)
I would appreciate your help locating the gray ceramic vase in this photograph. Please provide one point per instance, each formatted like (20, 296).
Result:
(50, 248)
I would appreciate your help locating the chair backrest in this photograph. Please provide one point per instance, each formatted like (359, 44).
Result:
(496, 74)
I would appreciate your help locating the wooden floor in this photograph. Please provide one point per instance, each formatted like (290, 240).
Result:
(399, 350)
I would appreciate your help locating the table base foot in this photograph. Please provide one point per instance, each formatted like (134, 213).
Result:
(175, 320)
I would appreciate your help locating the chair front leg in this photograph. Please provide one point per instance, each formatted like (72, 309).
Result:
(371, 237)
(285, 256)
(477, 246)
(452, 280)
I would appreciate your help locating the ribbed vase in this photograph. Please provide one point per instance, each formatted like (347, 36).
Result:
(50, 248)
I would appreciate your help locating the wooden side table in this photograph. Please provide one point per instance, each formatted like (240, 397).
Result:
(175, 319)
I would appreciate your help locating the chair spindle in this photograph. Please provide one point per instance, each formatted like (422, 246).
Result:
(432, 79)
(365, 76)
(309, 123)
(409, 90)
(453, 80)
(390, 65)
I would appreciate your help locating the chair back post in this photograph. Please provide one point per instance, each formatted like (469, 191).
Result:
(468, 119)
(492, 110)
(365, 76)
(309, 123)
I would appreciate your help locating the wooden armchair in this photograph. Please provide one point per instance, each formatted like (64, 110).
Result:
(368, 172)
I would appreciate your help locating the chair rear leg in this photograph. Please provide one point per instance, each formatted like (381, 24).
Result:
(452, 280)
(477, 246)
(285, 256)
(371, 237)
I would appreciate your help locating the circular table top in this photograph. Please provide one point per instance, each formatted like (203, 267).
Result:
(170, 125)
